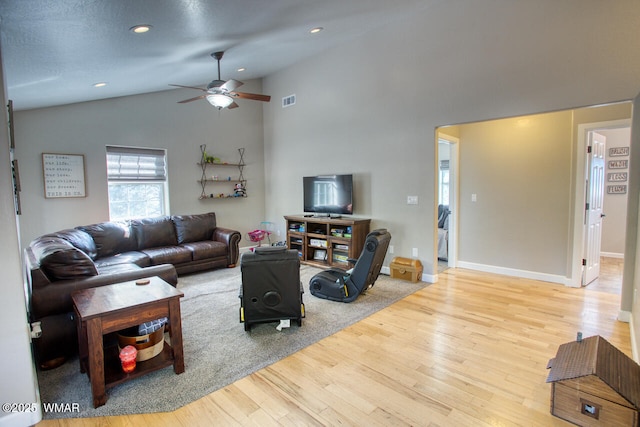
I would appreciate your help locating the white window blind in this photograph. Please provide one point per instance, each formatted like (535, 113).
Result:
(136, 164)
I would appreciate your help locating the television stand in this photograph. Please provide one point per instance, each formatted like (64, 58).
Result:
(326, 241)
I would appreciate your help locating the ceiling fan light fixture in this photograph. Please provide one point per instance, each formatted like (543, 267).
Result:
(219, 100)
(140, 29)
(316, 30)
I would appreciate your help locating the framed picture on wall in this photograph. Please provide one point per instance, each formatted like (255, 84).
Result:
(16, 186)
(63, 175)
(12, 142)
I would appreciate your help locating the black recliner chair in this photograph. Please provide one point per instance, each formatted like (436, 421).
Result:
(271, 289)
(345, 286)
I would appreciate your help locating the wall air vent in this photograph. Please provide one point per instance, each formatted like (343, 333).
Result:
(288, 101)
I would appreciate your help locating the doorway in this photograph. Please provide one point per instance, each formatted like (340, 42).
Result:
(447, 201)
(520, 222)
(601, 230)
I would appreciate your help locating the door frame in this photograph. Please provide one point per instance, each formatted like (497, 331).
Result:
(580, 185)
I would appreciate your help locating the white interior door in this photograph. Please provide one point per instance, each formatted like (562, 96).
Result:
(594, 214)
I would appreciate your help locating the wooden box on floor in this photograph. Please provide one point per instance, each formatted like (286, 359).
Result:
(594, 384)
(406, 269)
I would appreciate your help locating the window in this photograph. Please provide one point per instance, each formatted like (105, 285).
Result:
(137, 182)
(443, 197)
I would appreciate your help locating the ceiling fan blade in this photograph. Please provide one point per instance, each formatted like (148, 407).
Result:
(192, 99)
(233, 105)
(190, 87)
(230, 85)
(254, 96)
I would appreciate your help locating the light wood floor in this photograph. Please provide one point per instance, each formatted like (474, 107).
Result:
(470, 350)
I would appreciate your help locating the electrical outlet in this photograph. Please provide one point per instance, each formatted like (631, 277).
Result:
(390, 249)
(412, 200)
(414, 252)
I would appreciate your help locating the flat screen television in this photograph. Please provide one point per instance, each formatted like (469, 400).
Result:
(328, 194)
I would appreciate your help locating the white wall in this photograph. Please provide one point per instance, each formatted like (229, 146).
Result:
(615, 205)
(371, 107)
(153, 120)
(520, 172)
(19, 383)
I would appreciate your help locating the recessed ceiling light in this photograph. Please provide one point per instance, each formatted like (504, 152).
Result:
(100, 84)
(316, 30)
(241, 69)
(139, 29)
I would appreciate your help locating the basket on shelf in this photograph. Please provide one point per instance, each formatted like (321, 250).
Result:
(148, 346)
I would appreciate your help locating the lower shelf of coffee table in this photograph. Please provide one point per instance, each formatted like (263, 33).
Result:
(114, 375)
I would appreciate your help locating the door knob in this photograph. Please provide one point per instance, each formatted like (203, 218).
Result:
(602, 215)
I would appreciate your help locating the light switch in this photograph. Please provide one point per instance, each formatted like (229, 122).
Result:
(474, 197)
(412, 200)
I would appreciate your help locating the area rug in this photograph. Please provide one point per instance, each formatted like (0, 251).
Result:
(217, 349)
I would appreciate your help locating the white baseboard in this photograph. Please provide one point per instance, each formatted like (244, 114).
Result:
(429, 278)
(612, 255)
(525, 274)
(624, 316)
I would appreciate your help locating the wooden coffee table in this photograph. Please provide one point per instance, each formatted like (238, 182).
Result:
(114, 307)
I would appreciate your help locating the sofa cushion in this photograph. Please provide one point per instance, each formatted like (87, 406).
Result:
(206, 249)
(112, 269)
(79, 239)
(111, 237)
(154, 232)
(60, 260)
(194, 228)
(168, 255)
(131, 257)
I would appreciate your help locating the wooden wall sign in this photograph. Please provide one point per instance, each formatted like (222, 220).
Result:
(64, 175)
(618, 164)
(618, 151)
(616, 189)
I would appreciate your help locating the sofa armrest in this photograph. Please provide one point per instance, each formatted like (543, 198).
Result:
(34, 275)
(232, 239)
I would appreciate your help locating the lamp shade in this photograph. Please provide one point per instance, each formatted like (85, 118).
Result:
(219, 100)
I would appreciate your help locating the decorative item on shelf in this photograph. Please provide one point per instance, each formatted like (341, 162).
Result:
(207, 160)
(239, 191)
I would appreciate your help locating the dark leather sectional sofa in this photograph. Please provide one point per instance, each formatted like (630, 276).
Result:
(111, 252)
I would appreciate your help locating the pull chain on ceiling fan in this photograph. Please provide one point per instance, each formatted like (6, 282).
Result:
(222, 94)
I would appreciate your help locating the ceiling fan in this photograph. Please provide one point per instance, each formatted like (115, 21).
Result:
(222, 94)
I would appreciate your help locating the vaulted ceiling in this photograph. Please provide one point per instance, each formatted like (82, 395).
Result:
(54, 52)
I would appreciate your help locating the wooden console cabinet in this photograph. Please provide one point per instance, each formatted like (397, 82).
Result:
(326, 242)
